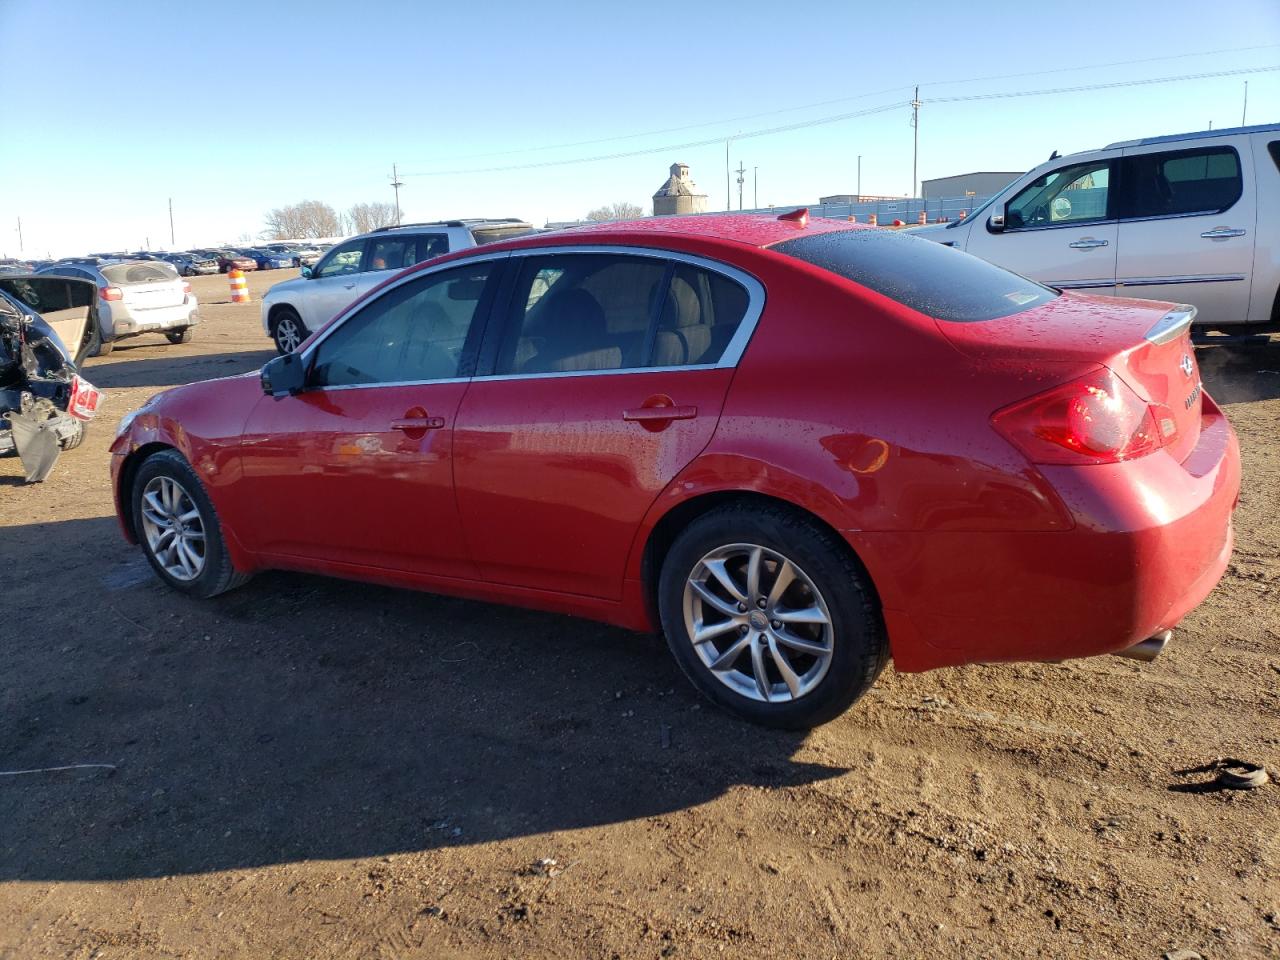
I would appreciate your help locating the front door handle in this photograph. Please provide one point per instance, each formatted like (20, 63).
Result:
(1087, 243)
(349, 286)
(1221, 233)
(417, 424)
(659, 414)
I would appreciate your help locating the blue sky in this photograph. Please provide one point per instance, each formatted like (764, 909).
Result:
(113, 108)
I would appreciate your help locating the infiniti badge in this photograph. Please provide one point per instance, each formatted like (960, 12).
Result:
(1186, 364)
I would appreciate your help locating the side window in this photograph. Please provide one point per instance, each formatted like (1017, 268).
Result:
(388, 253)
(1274, 149)
(426, 246)
(1181, 182)
(700, 314)
(574, 312)
(414, 332)
(344, 258)
(1068, 195)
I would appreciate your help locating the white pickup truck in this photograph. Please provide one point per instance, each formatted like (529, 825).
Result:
(1191, 218)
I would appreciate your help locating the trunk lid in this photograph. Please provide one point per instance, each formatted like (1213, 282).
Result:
(1147, 344)
(148, 285)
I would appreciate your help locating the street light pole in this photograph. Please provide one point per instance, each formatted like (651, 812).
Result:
(755, 188)
(172, 241)
(728, 195)
(859, 177)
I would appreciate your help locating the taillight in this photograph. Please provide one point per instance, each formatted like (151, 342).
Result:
(186, 287)
(111, 293)
(1095, 419)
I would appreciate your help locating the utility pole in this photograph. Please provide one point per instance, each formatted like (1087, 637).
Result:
(1245, 112)
(755, 188)
(728, 196)
(396, 184)
(915, 146)
(19, 234)
(172, 241)
(741, 181)
(859, 178)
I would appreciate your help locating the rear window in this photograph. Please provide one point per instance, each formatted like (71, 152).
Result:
(149, 272)
(484, 235)
(936, 280)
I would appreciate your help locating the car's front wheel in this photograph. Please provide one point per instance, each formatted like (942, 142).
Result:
(771, 616)
(287, 330)
(179, 529)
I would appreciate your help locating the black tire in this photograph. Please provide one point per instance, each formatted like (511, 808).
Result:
(217, 574)
(858, 645)
(181, 335)
(104, 346)
(283, 320)
(77, 438)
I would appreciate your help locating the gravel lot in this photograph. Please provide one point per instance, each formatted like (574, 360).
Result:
(311, 768)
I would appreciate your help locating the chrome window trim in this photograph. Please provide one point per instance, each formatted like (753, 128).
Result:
(1078, 284)
(1172, 325)
(398, 383)
(1077, 224)
(733, 350)
(1155, 281)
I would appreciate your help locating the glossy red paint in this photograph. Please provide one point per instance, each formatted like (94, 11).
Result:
(874, 418)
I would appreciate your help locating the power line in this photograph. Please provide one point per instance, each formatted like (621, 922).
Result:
(837, 118)
(1102, 86)
(668, 147)
(861, 96)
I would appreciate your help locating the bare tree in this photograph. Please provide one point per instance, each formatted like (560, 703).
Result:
(616, 211)
(309, 218)
(363, 217)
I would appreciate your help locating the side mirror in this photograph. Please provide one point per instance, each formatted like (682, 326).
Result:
(995, 223)
(284, 376)
(306, 273)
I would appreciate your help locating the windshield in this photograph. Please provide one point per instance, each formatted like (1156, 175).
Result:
(150, 271)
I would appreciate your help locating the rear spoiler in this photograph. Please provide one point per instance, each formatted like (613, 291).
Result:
(1173, 324)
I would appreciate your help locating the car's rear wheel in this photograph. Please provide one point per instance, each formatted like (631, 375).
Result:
(181, 335)
(287, 330)
(179, 529)
(771, 616)
(76, 437)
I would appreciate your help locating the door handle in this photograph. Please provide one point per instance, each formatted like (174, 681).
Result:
(1221, 233)
(1087, 243)
(349, 286)
(659, 414)
(410, 424)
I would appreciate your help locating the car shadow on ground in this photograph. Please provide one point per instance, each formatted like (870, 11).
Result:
(1241, 373)
(171, 369)
(303, 718)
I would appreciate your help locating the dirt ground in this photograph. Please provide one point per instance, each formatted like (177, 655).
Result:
(309, 768)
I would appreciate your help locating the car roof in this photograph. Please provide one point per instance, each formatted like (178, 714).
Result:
(1197, 135)
(755, 230)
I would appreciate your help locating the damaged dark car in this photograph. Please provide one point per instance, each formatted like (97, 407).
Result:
(44, 403)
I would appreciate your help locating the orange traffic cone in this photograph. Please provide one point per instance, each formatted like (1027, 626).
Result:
(239, 286)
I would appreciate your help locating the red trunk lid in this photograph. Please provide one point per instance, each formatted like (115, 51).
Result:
(1144, 342)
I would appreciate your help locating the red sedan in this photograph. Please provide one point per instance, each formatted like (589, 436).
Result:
(797, 447)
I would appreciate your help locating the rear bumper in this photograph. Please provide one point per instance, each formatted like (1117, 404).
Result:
(1152, 537)
(164, 318)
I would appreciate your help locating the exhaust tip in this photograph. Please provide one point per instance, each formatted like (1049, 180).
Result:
(1148, 649)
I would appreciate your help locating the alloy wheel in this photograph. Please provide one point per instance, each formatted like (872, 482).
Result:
(173, 528)
(758, 623)
(288, 334)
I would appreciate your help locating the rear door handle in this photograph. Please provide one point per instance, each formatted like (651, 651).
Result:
(410, 424)
(1087, 243)
(1221, 233)
(659, 414)
(349, 286)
